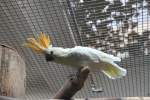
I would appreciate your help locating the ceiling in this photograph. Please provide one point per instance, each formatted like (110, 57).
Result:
(65, 24)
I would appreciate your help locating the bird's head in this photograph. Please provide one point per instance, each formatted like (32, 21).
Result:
(42, 44)
(39, 44)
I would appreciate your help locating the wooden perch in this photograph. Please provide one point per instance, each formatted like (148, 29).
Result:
(73, 85)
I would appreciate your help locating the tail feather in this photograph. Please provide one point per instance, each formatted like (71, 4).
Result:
(113, 71)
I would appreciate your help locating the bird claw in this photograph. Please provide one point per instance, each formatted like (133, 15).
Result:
(72, 76)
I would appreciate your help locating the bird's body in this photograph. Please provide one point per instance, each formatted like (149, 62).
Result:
(78, 57)
(84, 56)
(75, 57)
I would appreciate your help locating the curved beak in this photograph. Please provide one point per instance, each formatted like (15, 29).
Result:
(49, 57)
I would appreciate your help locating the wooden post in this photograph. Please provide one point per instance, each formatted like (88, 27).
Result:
(72, 85)
(12, 73)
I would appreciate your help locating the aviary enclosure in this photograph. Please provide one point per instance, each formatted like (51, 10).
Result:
(118, 27)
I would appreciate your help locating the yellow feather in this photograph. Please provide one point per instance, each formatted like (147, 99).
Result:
(32, 43)
(43, 40)
(32, 47)
(38, 45)
(40, 39)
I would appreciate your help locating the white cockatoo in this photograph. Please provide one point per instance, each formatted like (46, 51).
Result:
(77, 57)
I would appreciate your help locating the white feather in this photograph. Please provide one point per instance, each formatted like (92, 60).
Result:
(84, 56)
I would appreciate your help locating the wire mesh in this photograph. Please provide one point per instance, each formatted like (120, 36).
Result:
(118, 27)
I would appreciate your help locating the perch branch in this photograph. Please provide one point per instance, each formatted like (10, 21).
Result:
(73, 85)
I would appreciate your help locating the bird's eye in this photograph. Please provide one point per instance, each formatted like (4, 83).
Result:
(51, 52)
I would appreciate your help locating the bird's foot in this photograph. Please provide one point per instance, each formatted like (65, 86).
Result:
(76, 75)
(72, 76)
(78, 72)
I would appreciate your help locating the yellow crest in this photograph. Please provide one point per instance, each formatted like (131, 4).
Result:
(38, 45)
